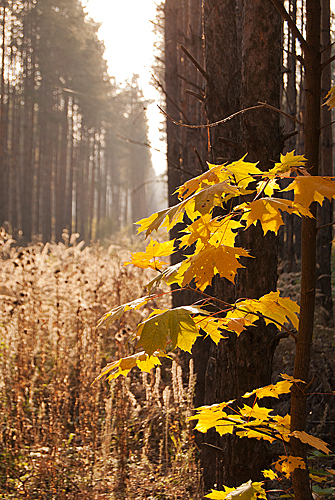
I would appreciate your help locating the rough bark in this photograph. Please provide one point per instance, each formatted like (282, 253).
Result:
(239, 365)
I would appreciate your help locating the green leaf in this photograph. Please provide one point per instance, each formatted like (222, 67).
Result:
(175, 326)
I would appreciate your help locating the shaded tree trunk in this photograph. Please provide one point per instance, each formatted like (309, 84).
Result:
(240, 365)
(325, 213)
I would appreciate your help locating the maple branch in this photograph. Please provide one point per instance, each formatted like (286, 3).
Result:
(138, 143)
(188, 287)
(198, 96)
(266, 105)
(262, 316)
(293, 27)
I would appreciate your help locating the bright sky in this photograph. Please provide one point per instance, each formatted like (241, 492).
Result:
(127, 33)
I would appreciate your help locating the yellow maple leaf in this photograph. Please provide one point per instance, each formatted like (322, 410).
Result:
(281, 426)
(288, 163)
(153, 251)
(269, 474)
(193, 185)
(267, 212)
(210, 326)
(272, 307)
(319, 479)
(312, 188)
(287, 464)
(211, 416)
(330, 102)
(247, 491)
(217, 231)
(117, 312)
(273, 391)
(240, 172)
(124, 365)
(311, 440)
(174, 326)
(208, 262)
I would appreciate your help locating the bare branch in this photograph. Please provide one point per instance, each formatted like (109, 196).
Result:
(168, 97)
(330, 60)
(266, 105)
(182, 77)
(195, 62)
(215, 124)
(203, 167)
(195, 94)
(327, 125)
(293, 27)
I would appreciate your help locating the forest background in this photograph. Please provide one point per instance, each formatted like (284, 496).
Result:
(51, 415)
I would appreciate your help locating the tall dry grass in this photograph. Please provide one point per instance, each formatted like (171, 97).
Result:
(61, 437)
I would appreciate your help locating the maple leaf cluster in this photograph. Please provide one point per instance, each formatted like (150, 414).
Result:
(250, 197)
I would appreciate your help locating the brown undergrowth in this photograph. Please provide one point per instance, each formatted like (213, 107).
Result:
(61, 437)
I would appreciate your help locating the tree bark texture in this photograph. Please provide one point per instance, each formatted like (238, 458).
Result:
(243, 61)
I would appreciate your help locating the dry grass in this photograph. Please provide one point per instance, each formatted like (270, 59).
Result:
(61, 437)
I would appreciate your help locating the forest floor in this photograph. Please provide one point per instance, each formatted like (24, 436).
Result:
(62, 437)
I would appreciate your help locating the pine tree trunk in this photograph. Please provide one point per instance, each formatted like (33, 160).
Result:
(325, 213)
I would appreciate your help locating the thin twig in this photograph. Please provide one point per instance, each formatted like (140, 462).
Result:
(266, 105)
(325, 225)
(210, 125)
(203, 167)
(326, 48)
(296, 56)
(195, 94)
(195, 62)
(328, 124)
(190, 82)
(330, 60)
(168, 97)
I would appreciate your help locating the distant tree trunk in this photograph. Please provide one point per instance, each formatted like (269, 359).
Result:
(3, 163)
(325, 213)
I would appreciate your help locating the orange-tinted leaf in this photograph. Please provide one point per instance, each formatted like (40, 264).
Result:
(124, 365)
(311, 440)
(210, 261)
(330, 102)
(312, 188)
(286, 464)
(272, 307)
(268, 212)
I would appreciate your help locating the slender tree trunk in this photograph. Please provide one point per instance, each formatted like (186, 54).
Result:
(300, 477)
(325, 213)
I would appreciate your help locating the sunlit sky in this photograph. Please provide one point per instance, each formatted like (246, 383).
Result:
(127, 33)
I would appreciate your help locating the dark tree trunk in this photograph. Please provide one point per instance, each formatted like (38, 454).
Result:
(325, 213)
(240, 365)
(300, 477)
